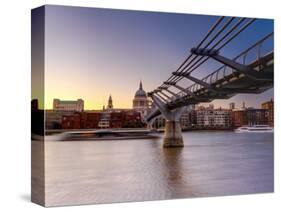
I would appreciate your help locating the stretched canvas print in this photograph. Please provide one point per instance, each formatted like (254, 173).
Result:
(135, 106)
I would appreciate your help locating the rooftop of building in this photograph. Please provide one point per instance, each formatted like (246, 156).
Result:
(68, 101)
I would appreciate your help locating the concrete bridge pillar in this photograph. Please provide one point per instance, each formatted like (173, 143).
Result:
(172, 135)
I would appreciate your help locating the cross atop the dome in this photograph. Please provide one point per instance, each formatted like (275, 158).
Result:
(140, 85)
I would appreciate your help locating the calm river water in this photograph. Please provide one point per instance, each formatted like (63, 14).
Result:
(210, 164)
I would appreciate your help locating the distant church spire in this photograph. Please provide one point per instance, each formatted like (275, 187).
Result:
(110, 104)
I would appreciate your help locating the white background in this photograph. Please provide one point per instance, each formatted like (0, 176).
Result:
(15, 103)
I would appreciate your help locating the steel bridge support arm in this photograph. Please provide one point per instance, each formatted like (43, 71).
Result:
(198, 81)
(169, 115)
(244, 69)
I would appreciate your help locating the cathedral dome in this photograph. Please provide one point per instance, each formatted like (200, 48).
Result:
(140, 92)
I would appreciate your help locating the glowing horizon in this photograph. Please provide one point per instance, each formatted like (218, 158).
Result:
(95, 103)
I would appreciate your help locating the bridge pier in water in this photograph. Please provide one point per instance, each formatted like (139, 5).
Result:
(172, 135)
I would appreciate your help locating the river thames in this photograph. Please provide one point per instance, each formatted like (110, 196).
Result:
(211, 164)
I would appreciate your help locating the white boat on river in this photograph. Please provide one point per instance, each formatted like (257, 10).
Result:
(255, 128)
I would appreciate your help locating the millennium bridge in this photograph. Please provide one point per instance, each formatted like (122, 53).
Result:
(243, 74)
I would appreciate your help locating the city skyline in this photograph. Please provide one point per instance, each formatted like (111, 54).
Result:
(128, 46)
(243, 104)
(249, 99)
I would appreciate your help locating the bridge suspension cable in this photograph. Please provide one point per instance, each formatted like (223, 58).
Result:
(197, 64)
(190, 64)
(184, 70)
(218, 42)
(239, 55)
(199, 45)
